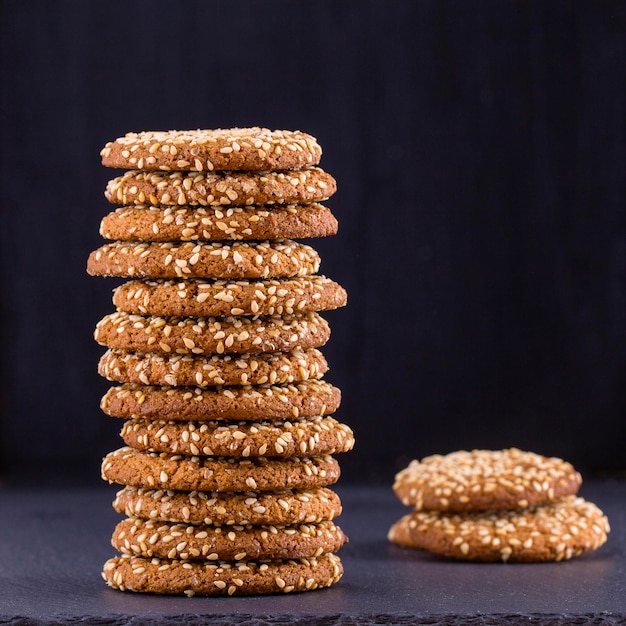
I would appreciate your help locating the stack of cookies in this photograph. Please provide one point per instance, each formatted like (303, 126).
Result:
(215, 346)
(504, 505)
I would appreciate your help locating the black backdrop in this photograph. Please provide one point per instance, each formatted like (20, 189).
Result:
(479, 149)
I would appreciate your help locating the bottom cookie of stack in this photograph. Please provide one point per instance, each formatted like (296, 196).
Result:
(206, 578)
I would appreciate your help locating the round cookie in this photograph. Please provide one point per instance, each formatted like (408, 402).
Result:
(317, 435)
(480, 480)
(148, 223)
(309, 398)
(205, 371)
(210, 578)
(210, 335)
(310, 184)
(149, 538)
(264, 259)
(213, 149)
(127, 466)
(223, 297)
(279, 508)
(555, 531)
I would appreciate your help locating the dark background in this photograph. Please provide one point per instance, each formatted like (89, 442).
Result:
(479, 149)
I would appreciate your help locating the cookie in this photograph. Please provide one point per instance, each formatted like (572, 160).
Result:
(222, 297)
(148, 538)
(127, 466)
(215, 149)
(203, 371)
(210, 578)
(265, 259)
(310, 184)
(555, 531)
(148, 223)
(211, 335)
(279, 508)
(308, 398)
(317, 435)
(485, 479)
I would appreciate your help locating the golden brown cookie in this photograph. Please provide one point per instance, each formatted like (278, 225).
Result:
(279, 508)
(211, 335)
(219, 189)
(222, 297)
(481, 480)
(264, 259)
(127, 466)
(309, 398)
(316, 435)
(555, 531)
(205, 371)
(213, 149)
(210, 578)
(149, 538)
(148, 223)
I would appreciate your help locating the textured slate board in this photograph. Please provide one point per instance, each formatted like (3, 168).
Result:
(53, 544)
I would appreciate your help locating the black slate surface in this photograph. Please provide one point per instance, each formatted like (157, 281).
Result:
(53, 543)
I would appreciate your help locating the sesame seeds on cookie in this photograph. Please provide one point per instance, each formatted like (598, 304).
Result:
(229, 297)
(210, 370)
(213, 149)
(310, 184)
(199, 542)
(280, 508)
(155, 223)
(127, 466)
(310, 398)
(206, 335)
(317, 435)
(220, 578)
(485, 480)
(232, 260)
(555, 531)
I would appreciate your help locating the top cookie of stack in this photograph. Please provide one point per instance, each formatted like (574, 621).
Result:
(249, 149)
(215, 343)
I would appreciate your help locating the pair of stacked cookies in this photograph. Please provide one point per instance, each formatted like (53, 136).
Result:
(504, 505)
(215, 344)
